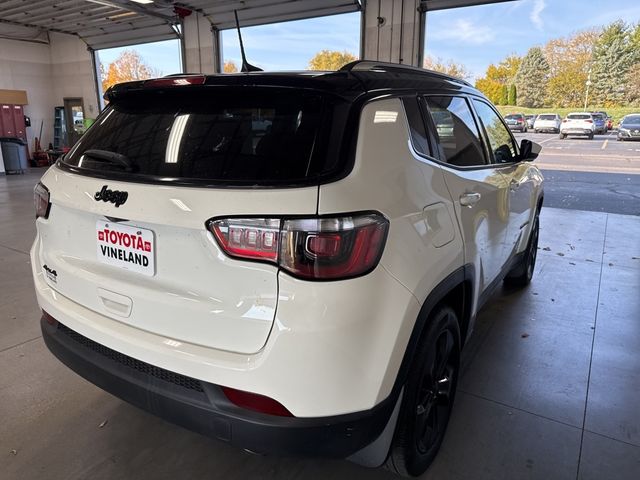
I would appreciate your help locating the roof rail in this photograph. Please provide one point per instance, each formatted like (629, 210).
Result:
(371, 65)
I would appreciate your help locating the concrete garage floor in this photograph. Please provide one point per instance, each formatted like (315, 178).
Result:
(550, 386)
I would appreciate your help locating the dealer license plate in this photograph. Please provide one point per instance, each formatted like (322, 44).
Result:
(131, 248)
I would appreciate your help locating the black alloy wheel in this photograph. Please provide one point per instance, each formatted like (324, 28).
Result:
(429, 396)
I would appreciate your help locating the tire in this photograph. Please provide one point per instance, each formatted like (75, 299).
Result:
(428, 398)
(536, 131)
(521, 274)
(590, 137)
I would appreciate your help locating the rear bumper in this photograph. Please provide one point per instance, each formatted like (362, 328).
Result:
(628, 136)
(577, 131)
(202, 406)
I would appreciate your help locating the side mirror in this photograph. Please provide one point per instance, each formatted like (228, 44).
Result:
(529, 150)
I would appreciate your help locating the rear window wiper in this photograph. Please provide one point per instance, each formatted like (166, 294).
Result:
(111, 157)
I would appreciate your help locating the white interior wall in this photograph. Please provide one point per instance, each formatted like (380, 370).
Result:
(48, 73)
(72, 72)
(27, 66)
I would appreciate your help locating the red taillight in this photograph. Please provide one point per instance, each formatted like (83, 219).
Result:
(49, 319)
(176, 81)
(311, 248)
(589, 121)
(255, 402)
(251, 238)
(41, 200)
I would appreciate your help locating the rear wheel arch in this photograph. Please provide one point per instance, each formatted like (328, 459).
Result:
(456, 291)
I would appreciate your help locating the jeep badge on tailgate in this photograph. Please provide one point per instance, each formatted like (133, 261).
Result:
(114, 196)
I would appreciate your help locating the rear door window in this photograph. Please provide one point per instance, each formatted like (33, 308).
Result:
(458, 135)
(416, 126)
(230, 137)
(498, 135)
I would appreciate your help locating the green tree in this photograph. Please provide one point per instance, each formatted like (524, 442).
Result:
(633, 85)
(504, 97)
(532, 78)
(613, 57)
(513, 95)
(330, 60)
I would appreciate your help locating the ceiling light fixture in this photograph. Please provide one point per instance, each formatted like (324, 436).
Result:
(121, 15)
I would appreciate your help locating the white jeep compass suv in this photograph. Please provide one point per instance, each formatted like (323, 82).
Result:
(289, 262)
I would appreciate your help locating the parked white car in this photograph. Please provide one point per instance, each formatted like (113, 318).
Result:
(578, 124)
(301, 284)
(547, 122)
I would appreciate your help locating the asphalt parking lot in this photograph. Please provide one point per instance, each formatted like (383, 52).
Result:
(601, 175)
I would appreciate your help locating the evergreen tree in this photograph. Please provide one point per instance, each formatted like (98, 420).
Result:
(532, 78)
(513, 95)
(504, 95)
(613, 57)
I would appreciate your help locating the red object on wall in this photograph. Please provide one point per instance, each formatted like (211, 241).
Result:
(12, 121)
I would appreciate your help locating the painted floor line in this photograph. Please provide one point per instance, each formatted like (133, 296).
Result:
(604, 145)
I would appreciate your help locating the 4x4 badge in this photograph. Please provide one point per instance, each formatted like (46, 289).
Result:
(114, 196)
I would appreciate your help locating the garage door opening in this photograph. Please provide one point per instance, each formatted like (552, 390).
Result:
(330, 41)
(137, 62)
(526, 59)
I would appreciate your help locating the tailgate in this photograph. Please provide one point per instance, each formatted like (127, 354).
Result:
(186, 290)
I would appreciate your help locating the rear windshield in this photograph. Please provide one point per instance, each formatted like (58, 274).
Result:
(513, 117)
(631, 120)
(547, 117)
(598, 116)
(248, 136)
(579, 116)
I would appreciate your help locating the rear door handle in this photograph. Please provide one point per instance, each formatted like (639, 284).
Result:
(469, 199)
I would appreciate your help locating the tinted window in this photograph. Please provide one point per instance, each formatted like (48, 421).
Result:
(458, 135)
(416, 126)
(236, 137)
(547, 117)
(500, 141)
(579, 116)
(631, 120)
(514, 117)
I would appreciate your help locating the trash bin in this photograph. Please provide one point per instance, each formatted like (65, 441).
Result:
(14, 154)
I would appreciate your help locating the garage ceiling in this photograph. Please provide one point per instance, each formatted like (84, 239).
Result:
(111, 23)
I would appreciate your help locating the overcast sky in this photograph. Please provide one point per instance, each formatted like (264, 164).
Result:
(474, 36)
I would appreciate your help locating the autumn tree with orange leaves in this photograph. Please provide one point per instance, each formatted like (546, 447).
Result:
(127, 67)
(230, 66)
